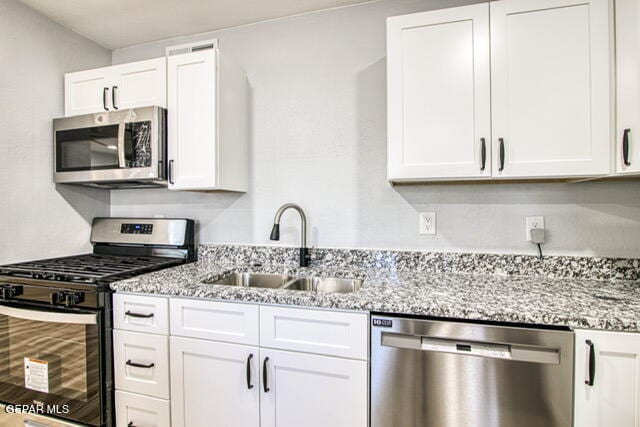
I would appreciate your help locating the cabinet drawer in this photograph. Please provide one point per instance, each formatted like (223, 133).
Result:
(141, 363)
(141, 411)
(141, 313)
(315, 331)
(220, 321)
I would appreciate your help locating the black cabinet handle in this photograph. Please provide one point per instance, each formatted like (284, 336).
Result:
(104, 98)
(249, 385)
(142, 316)
(131, 424)
(592, 363)
(113, 97)
(264, 375)
(483, 153)
(501, 168)
(140, 365)
(171, 172)
(625, 147)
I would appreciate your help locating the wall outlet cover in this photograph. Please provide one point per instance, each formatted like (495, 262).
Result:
(427, 224)
(533, 222)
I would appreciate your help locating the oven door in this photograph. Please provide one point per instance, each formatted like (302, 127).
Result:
(52, 359)
(110, 146)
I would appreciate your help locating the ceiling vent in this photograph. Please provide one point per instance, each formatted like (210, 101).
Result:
(192, 47)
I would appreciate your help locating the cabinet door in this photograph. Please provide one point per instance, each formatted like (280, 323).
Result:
(614, 397)
(141, 411)
(312, 391)
(140, 84)
(439, 94)
(214, 384)
(330, 333)
(141, 313)
(87, 92)
(551, 108)
(191, 124)
(141, 363)
(628, 86)
(214, 320)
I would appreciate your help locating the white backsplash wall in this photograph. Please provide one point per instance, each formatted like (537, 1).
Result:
(37, 218)
(318, 138)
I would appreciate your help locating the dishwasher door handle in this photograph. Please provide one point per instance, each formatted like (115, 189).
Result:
(505, 351)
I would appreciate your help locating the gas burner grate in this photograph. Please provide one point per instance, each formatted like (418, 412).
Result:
(90, 268)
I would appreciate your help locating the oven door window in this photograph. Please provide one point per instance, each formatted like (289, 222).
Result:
(92, 148)
(52, 358)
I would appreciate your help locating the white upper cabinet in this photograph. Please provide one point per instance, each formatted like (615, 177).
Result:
(607, 379)
(140, 84)
(627, 153)
(137, 84)
(550, 82)
(207, 129)
(539, 96)
(439, 94)
(87, 92)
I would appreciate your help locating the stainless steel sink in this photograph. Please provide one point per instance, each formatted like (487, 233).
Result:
(254, 280)
(325, 284)
(289, 282)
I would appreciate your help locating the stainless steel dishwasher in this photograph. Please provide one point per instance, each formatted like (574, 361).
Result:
(430, 373)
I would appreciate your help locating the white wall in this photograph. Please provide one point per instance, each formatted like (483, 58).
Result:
(38, 219)
(319, 139)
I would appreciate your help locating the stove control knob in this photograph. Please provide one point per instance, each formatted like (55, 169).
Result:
(73, 298)
(10, 291)
(67, 298)
(56, 298)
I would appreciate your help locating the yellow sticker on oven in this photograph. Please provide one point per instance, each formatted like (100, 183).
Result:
(36, 374)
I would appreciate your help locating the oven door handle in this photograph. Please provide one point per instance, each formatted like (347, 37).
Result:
(49, 316)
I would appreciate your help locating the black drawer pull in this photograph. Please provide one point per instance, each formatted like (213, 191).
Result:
(142, 316)
(140, 365)
(592, 363)
(501, 168)
(264, 375)
(483, 153)
(131, 424)
(249, 385)
(625, 147)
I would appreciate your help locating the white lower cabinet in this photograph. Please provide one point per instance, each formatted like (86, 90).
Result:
(141, 411)
(313, 391)
(214, 384)
(239, 365)
(607, 379)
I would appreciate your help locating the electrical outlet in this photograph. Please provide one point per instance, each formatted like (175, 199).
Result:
(534, 222)
(427, 224)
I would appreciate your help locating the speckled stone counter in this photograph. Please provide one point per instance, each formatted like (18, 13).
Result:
(571, 300)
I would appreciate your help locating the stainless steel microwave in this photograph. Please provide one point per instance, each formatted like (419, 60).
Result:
(111, 149)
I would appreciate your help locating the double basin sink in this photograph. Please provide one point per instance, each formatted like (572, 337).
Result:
(290, 282)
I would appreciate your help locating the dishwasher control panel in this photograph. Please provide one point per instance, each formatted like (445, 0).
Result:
(498, 351)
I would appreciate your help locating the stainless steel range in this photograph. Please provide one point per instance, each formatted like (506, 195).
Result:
(55, 319)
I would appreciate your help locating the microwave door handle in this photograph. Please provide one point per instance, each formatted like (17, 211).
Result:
(49, 316)
(121, 156)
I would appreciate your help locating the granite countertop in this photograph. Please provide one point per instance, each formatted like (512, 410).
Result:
(575, 302)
